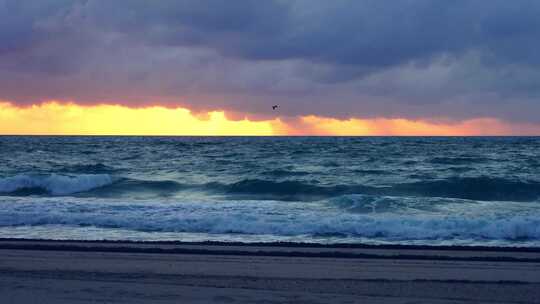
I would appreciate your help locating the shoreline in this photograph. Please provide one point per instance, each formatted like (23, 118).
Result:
(290, 250)
(288, 244)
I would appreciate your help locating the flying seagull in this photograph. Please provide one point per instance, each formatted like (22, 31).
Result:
(275, 107)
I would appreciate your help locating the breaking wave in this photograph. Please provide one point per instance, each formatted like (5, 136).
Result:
(265, 219)
(103, 185)
(476, 188)
(54, 184)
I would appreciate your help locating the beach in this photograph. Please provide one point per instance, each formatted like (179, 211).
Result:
(33, 271)
(192, 151)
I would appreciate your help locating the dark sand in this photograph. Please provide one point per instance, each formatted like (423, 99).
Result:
(96, 272)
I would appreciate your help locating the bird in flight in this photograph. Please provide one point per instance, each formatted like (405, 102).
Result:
(275, 107)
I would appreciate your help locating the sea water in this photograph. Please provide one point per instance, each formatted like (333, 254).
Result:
(374, 190)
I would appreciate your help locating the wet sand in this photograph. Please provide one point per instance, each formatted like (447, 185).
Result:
(116, 272)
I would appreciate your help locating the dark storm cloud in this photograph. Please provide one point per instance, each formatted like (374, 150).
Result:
(407, 58)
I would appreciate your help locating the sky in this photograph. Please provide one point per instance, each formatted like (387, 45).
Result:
(216, 67)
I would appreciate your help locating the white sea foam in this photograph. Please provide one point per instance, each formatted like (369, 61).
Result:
(55, 184)
(269, 218)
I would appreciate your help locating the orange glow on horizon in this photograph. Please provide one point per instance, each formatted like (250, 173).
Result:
(406, 127)
(53, 118)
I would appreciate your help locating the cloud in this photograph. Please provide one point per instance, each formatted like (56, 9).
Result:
(404, 59)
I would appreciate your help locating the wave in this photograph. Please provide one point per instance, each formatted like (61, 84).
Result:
(285, 173)
(372, 171)
(360, 203)
(88, 168)
(103, 185)
(54, 184)
(475, 188)
(459, 160)
(125, 187)
(286, 190)
(291, 220)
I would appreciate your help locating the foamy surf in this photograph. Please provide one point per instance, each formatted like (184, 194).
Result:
(482, 224)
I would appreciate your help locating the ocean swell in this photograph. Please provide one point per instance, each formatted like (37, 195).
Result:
(126, 187)
(54, 184)
(475, 188)
(287, 190)
(97, 168)
(103, 185)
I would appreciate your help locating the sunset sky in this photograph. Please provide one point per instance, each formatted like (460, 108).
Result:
(216, 67)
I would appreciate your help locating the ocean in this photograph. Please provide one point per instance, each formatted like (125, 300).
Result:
(481, 191)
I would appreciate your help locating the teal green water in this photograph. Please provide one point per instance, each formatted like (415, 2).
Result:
(411, 190)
